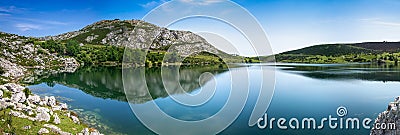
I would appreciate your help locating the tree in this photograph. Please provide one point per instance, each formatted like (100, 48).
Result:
(72, 48)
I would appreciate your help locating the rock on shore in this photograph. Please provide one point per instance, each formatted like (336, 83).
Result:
(391, 115)
(35, 108)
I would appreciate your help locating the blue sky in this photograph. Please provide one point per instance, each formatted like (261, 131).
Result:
(289, 24)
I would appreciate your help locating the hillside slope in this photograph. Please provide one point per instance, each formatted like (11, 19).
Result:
(138, 34)
(330, 50)
(380, 52)
(343, 49)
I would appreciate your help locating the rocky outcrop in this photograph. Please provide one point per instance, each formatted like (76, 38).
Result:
(19, 53)
(11, 70)
(35, 108)
(388, 117)
(139, 35)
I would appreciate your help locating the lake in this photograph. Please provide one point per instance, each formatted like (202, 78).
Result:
(301, 90)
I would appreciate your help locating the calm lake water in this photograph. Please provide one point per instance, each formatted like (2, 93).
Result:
(301, 90)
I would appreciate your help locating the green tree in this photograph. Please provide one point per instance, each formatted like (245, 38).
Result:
(72, 47)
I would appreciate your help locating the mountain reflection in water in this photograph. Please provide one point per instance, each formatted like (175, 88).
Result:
(106, 82)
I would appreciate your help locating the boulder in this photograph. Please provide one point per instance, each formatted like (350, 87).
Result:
(53, 128)
(15, 113)
(3, 104)
(14, 87)
(64, 106)
(27, 127)
(19, 106)
(44, 101)
(56, 119)
(42, 109)
(51, 101)
(95, 132)
(34, 99)
(43, 116)
(43, 131)
(75, 119)
(85, 131)
(56, 108)
(18, 97)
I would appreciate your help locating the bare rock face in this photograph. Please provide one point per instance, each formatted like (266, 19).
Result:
(388, 118)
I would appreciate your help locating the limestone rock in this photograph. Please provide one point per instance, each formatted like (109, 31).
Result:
(51, 101)
(64, 106)
(34, 99)
(43, 116)
(56, 119)
(43, 131)
(18, 97)
(389, 116)
(75, 119)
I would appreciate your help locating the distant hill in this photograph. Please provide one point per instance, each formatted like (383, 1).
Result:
(376, 52)
(380, 46)
(344, 49)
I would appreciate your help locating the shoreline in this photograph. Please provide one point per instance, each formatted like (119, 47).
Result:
(27, 113)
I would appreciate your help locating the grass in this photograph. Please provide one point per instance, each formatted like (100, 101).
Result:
(17, 124)
(7, 94)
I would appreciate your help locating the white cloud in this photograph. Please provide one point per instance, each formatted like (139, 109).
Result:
(152, 4)
(11, 9)
(27, 27)
(378, 21)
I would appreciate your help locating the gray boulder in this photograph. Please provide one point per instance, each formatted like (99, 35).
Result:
(18, 97)
(34, 99)
(51, 101)
(43, 131)
(43, 116)
(75, 119)
(56, 119)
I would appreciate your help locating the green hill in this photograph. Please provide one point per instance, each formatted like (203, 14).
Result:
(381, 52)
(330, 50)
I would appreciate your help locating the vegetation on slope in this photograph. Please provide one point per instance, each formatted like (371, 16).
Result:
(378, 52)
(330, 50)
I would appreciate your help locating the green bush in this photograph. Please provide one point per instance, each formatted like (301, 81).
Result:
(2, 70)
(27, 92)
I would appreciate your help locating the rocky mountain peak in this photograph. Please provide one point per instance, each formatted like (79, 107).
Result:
(138, 34)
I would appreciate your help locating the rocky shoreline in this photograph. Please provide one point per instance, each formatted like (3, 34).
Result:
(18, 102)
(390, 116)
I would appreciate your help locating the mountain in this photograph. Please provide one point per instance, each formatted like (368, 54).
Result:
(99, 43)
(343, 49)
(138, 34)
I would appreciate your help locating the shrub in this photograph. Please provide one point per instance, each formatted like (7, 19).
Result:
(27, 92)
